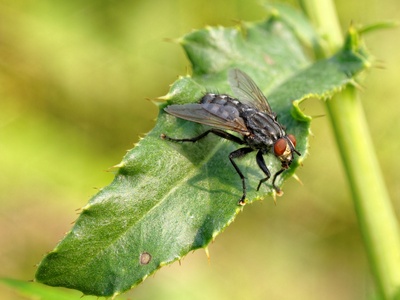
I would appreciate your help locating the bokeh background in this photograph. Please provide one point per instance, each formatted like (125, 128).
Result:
(75, 82)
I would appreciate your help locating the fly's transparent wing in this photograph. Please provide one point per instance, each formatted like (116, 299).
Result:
(247, 91)
(197, 113)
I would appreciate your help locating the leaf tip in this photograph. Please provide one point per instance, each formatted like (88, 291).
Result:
(271, 10)
(172, 40)
(207, 253)
(297, 178)
(241, 27)
(163, 98)
(117, 166)
(156, 101)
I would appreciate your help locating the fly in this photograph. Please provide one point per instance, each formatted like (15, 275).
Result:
(249, 115)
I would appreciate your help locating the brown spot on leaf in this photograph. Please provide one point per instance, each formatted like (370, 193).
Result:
(144, 258)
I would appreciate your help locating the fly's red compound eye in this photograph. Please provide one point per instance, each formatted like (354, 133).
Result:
(292, 139)
(280, 146)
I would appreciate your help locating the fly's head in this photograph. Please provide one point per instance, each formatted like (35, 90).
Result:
(284, 148)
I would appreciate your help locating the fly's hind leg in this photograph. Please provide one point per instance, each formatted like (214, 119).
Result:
(237, 154)
(217, 132)
(261, 163)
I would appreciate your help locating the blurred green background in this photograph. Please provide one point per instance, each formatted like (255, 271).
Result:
(74, 79)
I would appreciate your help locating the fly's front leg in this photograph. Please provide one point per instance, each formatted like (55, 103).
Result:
(263, 167)
(236, 154)
(277, 189)
(217, 132)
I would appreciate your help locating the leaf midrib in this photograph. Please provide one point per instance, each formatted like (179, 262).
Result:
(180, 182)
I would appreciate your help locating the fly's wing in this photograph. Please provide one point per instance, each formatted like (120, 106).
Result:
(247, 91)
(197, 113)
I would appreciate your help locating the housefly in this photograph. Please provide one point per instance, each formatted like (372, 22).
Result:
(249, 115)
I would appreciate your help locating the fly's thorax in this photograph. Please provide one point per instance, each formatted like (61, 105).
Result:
(258, 142)
(263, 125)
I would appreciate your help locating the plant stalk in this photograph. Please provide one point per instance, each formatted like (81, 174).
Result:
(376, 217)
(373, 207)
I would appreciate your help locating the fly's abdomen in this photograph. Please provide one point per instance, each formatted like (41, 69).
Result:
(221, 106)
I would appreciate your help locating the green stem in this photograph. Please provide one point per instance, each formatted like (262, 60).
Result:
(375, 214)
(377, 221)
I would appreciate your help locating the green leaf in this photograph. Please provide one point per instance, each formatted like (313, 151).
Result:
(168, 199)
(35, 291)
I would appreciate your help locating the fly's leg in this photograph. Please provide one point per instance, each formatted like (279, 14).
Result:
(263, 167)
(217, 132)
(277, 189)
(237, 154)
